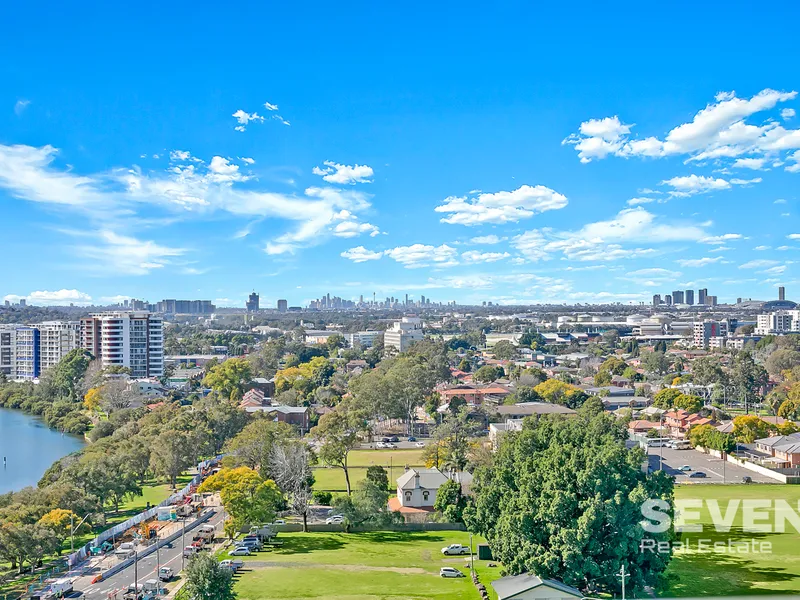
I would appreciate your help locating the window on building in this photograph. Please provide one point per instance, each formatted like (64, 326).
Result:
(425, 495)
(408, 496)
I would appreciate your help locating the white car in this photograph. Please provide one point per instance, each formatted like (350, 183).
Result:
(380, 445)
(450, 572)
(240, 551)
(455, 550)
(419, 445)
(334, 520)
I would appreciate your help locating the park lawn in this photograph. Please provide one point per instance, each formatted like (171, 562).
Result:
(386, 565)
(709, 573)
(331, 479)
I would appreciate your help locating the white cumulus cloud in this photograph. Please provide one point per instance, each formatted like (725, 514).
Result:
(501, 207)
(344, 174)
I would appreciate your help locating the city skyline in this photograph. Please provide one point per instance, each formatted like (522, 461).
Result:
(509, 174)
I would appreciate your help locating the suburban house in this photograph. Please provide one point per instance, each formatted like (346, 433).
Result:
(785, 449)
(475, 394)
(642, 427)
(417, 489)
(255, 401)
(679, 422)
(633, 402)
(531, 587)
(610, 391)
(527, 409)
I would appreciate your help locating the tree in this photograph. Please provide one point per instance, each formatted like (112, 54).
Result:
(339, 432)
(748, 377)
(171, 454)
(450, 446)
(749, 428)
(555, 391)
(65, 378)
(93, 399)
(207, 580)
(367, 505)
(781, 360)
(564, 500)
(291, 469)
(665, 399)
(230, 378)
(60, 522)
(248, 497)
(378, 475)
(450, 501)
(707, 436)
(656, 362)
(504, 350)
(252, 447)
(688, 403)
(488, 373)
(790, 409)
(334, 342)
(707, 370)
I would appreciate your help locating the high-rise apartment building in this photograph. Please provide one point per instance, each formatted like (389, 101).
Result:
(8, 350)
(362, 339)
(656, 299)
(184, 307)
(702, 295)
(668, 300)
(252, 303)
(677, 297)
(707, 329)
(126, 339)
(56, 339)
(781, 293)
(403, 333)
(711, 300)
(688, 297)
(26, 359)
(283, 306)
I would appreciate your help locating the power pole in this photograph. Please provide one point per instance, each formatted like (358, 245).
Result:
(622, 575)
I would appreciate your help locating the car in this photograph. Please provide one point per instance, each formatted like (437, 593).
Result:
(165, 573)
(698, 475)
(385, 440)
(685, 468)
(390, 446)
(419, 445)
(190, 550)
(455, 550)
(334, 520)
(450, 572)
(411, 438)
(279, 522)
(239, 551)
(232, 565)
(251, 540)
(747, 479)
(251, 545)
(381, 444)
(394, 439)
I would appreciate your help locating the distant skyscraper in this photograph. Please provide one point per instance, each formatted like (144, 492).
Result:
(781, 293)
(283, 306)
(668, 300)
(23, 302)
(711, 300)
(656, 299)
(252, 302)
(677, 297)
(688, 296)
(702, 295)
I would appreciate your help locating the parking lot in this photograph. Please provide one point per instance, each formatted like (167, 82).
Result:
(710, 465)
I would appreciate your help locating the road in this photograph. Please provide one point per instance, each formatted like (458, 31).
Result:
(146, 568)
(698, 461)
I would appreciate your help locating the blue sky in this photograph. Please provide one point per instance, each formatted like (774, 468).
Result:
(458, 151)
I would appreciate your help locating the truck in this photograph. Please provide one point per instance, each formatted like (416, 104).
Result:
(125, 551)
(133, 592)
(264, 532)
(165, 573)
(184, 510)
(207, 532)
(57, 590)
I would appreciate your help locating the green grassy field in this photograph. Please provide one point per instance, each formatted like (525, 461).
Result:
(331, 479)
(360, 566)
(709, 573)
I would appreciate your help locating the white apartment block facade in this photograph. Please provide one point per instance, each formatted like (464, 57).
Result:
(56, 340)
(782, 321)
(8, 350)
(363, 339)
(403, 333)
(132, 339)
(704, 330)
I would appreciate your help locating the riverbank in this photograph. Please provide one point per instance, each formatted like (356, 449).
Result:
(29, 447)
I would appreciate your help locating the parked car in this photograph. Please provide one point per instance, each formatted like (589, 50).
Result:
(390, 446)
(234, 565)
(165, 573)
(411, 438)
(450, 572)
(279, 522)
(747, 479)
(394, 439)
(381, 444)
(419, 445)
(385, 440)
(239, 551)
(334, 520)
(455, 549)
(251, 545)
(252, 539)
(698, 475)
(685, 468)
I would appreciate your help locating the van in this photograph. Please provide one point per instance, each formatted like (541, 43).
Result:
(190, 550)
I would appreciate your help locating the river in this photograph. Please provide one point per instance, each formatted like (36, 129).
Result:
(28, 448)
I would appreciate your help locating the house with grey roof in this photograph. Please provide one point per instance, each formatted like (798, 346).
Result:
(530, 587)
(785, 449)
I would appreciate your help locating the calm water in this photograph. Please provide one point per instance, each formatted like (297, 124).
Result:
(29, 447)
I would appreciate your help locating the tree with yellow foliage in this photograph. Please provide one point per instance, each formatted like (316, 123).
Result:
(93, 399)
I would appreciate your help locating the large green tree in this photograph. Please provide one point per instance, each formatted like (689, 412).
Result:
(564, 500)
(207, 580)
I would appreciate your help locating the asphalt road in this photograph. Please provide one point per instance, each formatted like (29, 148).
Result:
(698, 461)
(146, 568)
